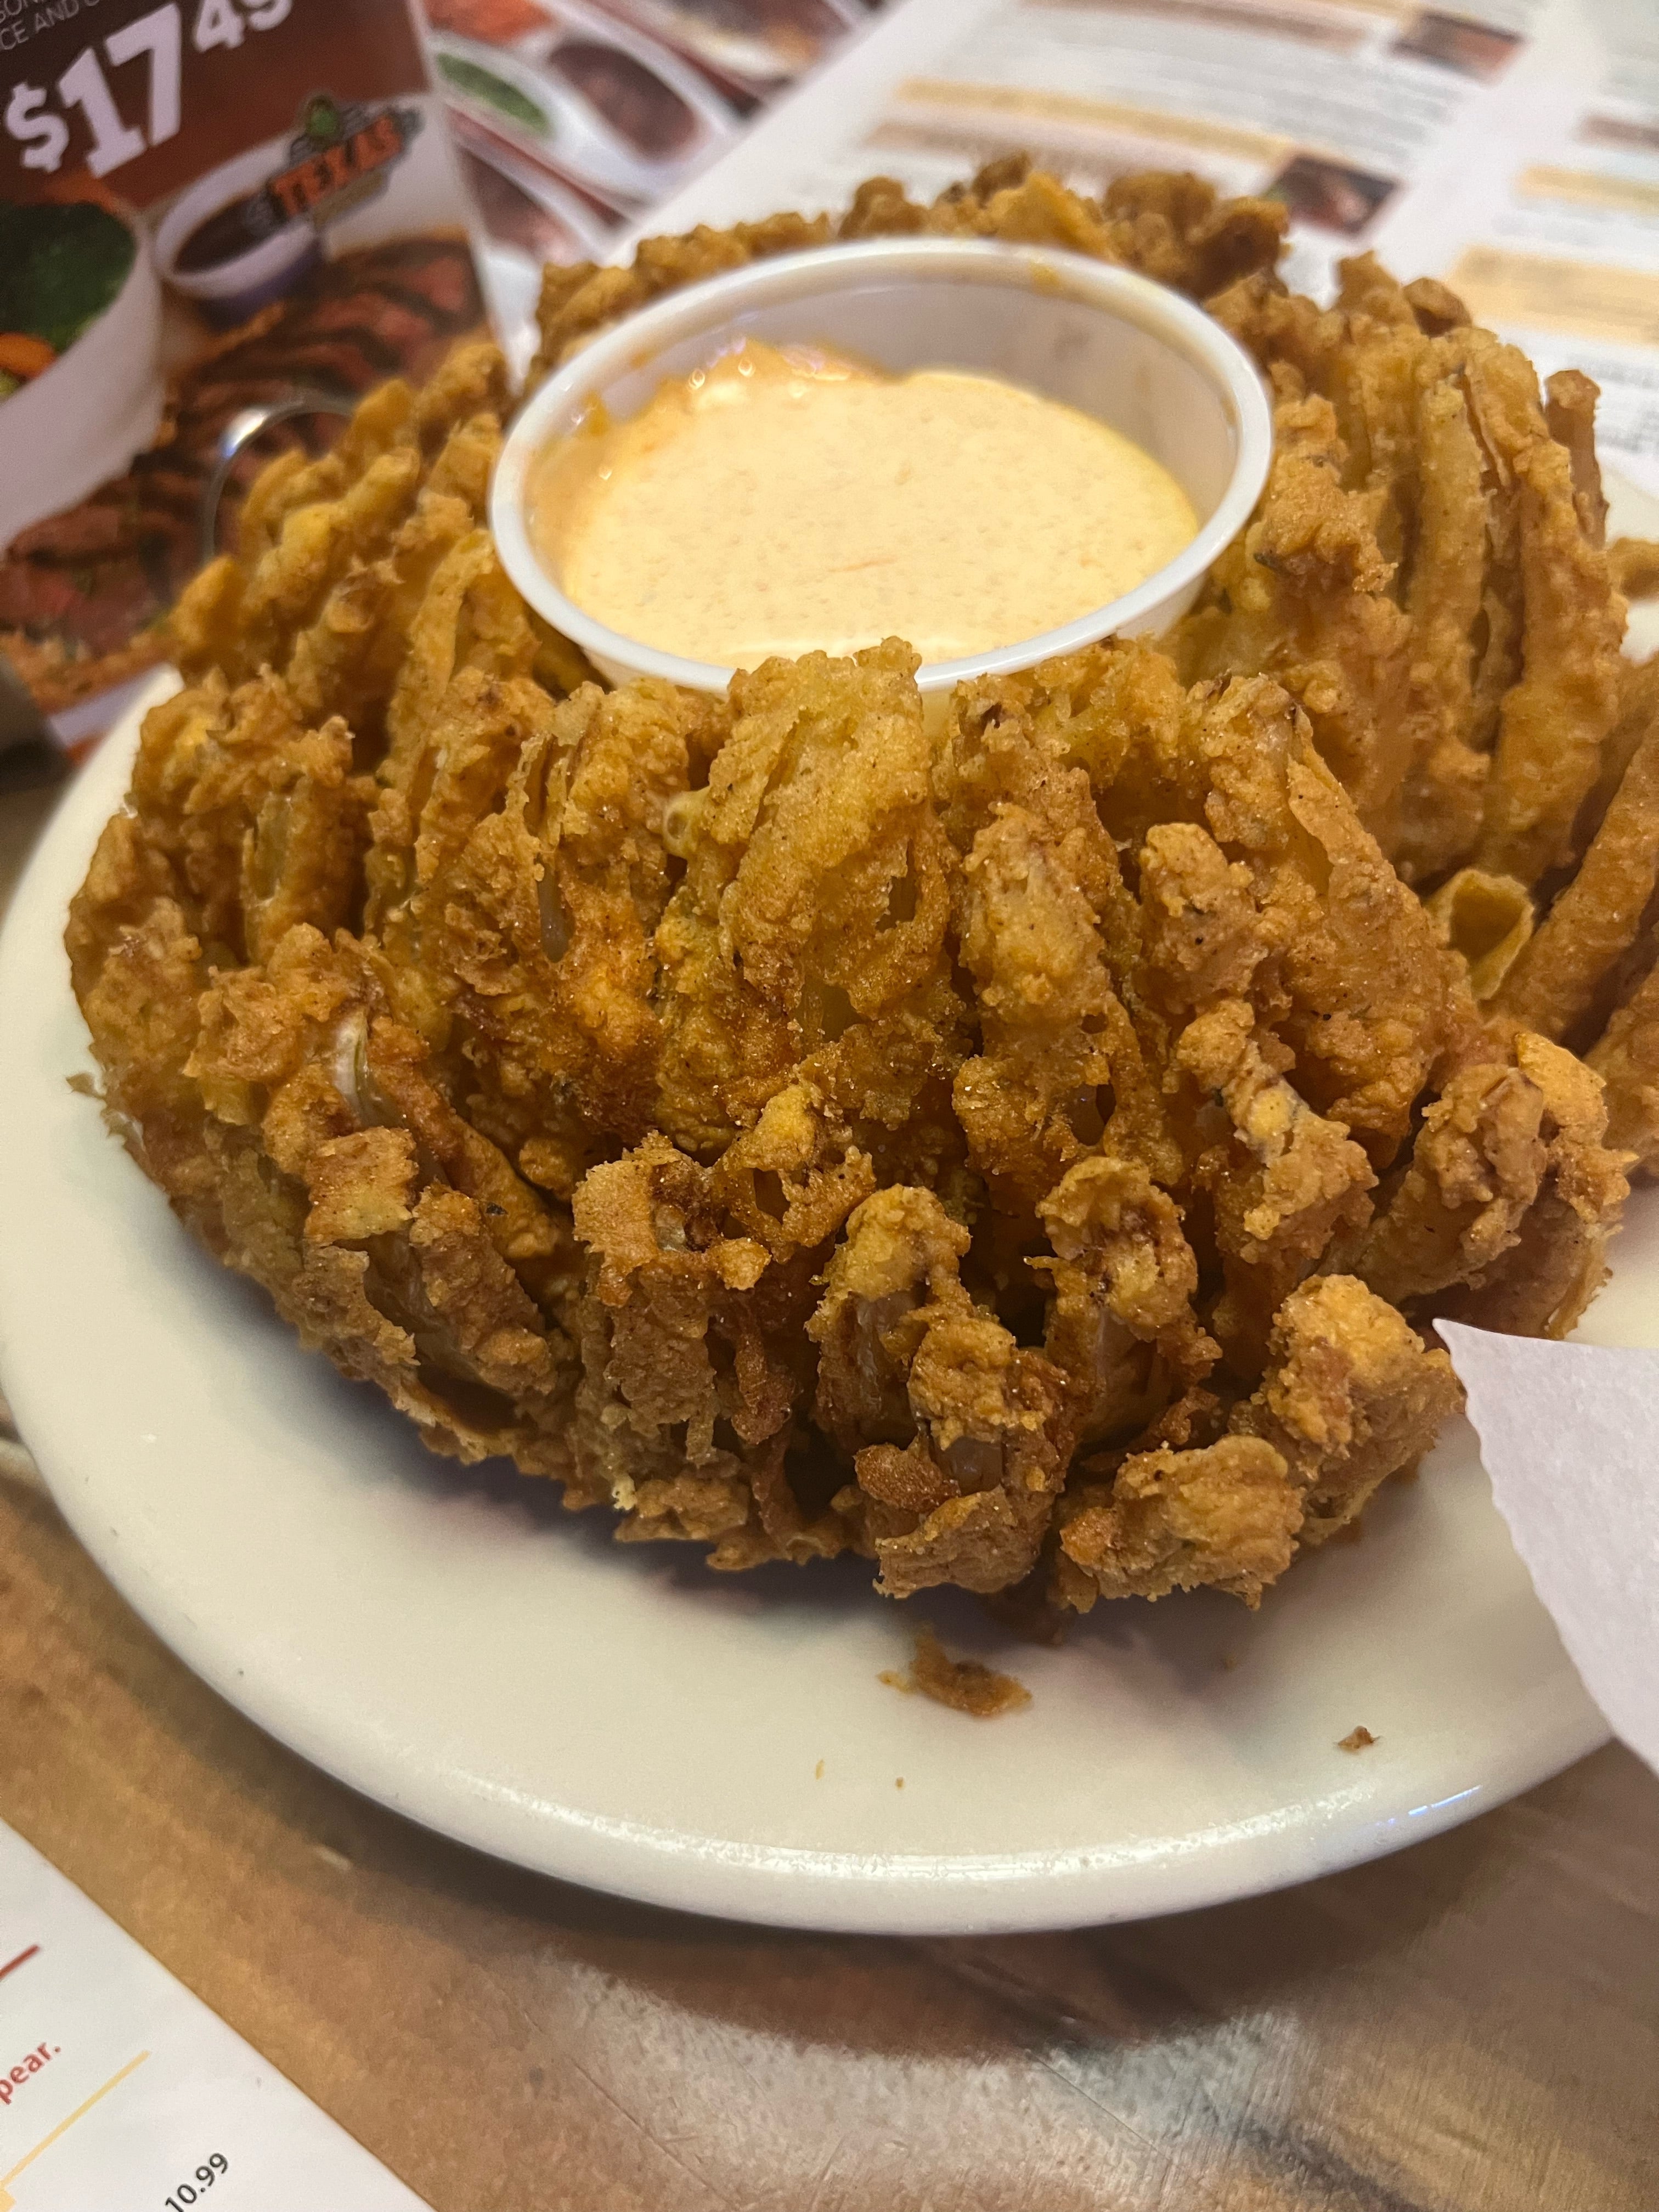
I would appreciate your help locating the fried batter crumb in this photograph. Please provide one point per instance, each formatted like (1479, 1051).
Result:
(1359, 1738)
(818, 1772)
(964, 1684)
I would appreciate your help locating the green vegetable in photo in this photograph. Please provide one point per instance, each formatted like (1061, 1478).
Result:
(60, 267)
(483, 84)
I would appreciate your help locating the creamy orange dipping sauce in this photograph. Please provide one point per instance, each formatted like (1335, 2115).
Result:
(779, 502)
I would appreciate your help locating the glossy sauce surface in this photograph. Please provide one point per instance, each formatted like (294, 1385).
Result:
(783, 502)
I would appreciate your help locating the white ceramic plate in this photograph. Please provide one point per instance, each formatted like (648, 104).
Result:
(456, 1646)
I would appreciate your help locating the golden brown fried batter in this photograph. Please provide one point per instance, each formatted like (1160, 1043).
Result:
(1595, 918)
(1425, 574)
(1487, 920)
(1025, 1147)
(1036, 878)
(1149, 1107)
(692, 1351)
(519, 905)
(1350, 1396)
(1175, 229)
(965, 1684)
(1634, 565)
(1226, 1514)
(1121, 1325)
(806, 939)
(1559, 1261)
(386, 1229)
(1627, 1058)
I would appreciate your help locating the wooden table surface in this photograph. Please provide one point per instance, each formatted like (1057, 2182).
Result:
(1472, 2026)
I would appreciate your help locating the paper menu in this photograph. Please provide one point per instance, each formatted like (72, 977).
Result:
(1510, 146)
(121, 2091)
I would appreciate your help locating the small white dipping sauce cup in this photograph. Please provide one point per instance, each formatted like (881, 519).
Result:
(1112, 344)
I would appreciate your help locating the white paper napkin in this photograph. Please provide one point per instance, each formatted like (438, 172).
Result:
(1570, 1436)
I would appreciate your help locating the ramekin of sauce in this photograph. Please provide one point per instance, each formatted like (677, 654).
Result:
(997, 452)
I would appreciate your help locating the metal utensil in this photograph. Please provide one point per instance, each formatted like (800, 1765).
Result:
(29, 755)
(243, 428)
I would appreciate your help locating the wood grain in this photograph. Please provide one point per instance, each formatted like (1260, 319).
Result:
(1470, 2026)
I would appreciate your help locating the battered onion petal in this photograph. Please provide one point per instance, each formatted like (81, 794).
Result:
(1595, 918)
(1425, 574)
(1177, 229)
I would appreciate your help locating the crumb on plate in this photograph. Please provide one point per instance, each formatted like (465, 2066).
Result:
(964, 1684)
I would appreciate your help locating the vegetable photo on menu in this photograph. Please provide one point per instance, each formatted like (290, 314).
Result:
(208, 209)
